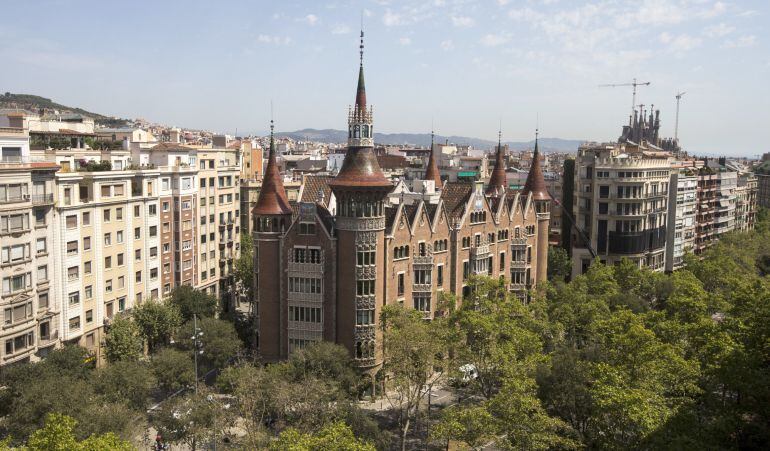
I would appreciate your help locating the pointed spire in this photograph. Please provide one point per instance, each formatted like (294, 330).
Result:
(361, 90)
(535, 183)
(272, 197)
(498, 179)
(432, 172)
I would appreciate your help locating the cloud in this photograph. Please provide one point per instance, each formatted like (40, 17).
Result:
(391, 19)
(404, 41)
(679, 44)
(439, 3)
(463, 22)
(718, 8)
(447, 45)
(493, 40)
(276, 40)
(718, 31)
(310, 19)
(743, 41)
(340, 29)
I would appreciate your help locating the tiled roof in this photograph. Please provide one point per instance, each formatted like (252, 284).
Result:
(535, 181)
(312, 185)
(171, 146)
(390, 217)
(455, 195)
(411, 211)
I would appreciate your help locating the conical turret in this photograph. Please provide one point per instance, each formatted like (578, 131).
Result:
(535, 183)
(272, 197)
(432, 172)
(498, 181)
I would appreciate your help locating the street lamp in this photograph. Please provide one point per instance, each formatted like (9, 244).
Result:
(197, 347)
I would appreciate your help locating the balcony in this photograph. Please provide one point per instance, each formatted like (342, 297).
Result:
(519, 264)
(423, 259)
(480, 251)
(514, 286)
(637, 242)
(49, 339)
(422, 287)
(15, 199)
(518, 242)
(42, 199)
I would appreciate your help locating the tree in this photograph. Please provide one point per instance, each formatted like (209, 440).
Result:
(157, 322)
(189, 301)
(220, 341)
(472, 425)
(244, 268)
(194, 418)
(173, 369)
(411, 352)
(58, 434)
(126, 381)
(327, 361)
(123, 341)
(333, 437)
(559, 264)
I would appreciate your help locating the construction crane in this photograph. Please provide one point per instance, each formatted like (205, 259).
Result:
(676, 127)
(634, 84)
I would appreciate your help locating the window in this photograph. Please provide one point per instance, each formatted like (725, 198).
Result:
(152, 210)
(106, 215)
(72, 221)
(166, 227)
(137, 233)
(365, 258)
(107, 262)
(153, 231)
(74, 323)
(138, 276)
(17, 282)
(108, 286)
(109, 310)
(440, 275)
(119, 214)
(120, 259)
(401, 284)
(121, 304)
(153, 273)
(74, 298)
(121, 282)
(89, 317)
(87, 267)
(86, 218)
(466, 270)
(186, 205)
(502, 261)
(166, 248)
(422, 276)
(107, 239)
(119, 236)
(305, 314)
(18, 252)
(138, 254)
(88, 292)
(72, 247)
(42, 300)
(164, 183)
(306, 228)
(186, 245)
(364, 287)
(86, 243)
(304, 285)
(137, 211)
(422, 302)
(165, 205)
(73, 273)
(603, 208)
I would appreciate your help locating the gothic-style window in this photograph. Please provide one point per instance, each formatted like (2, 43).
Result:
(365, 134)
(359, 350)
(357, 131)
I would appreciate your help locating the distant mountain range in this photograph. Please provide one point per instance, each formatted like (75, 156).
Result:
(423, 140)
(35, 104)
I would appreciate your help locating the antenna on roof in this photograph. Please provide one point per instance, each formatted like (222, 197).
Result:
(361, 46)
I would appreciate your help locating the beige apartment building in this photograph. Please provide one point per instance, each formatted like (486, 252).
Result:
(91, 227)
(30, 313)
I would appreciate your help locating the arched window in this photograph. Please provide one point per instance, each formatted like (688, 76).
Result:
(407, 251)
(359, 351)
(365, 133)
(357, 131)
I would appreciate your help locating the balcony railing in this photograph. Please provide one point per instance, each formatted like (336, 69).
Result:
(421, 287)
(42, 199)
(51, 338)
(422, 259)
(482, 250)
(520, 264)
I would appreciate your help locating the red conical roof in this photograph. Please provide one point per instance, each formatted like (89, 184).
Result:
(498, 182)
(535, 183)
(272, 196)
(432, 172)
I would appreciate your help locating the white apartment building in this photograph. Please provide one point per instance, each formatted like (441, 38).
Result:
(682, 215)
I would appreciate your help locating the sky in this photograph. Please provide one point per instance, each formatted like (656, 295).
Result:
(468, 67)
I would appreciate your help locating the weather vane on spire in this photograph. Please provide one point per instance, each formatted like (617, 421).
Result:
(361, 46)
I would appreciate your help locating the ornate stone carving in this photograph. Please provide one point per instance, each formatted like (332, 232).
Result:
(365, 302)
(366, 272)
(364, 333)
(362, 224)
(366, 238)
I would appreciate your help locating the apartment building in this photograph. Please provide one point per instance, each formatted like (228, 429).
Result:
(682, 209)
(746, 201)
(621, 203)
(92, 227)
(220, 223)
(30, 312)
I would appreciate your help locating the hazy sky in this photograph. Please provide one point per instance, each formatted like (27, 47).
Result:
(463, 64)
